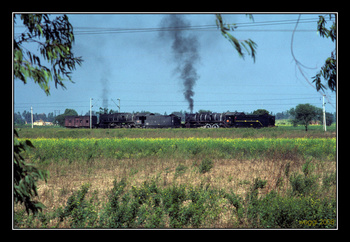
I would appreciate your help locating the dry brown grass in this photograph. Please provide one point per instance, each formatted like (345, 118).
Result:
(237, 175)
(228, 174)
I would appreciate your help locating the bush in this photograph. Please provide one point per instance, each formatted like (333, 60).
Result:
(304, 183)
(118, 212)
(205, 165)
(330, 179)
(180, 169)
(81, 212)
(275, 211)
(236, 201)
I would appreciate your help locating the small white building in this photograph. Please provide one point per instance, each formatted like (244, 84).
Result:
(40, 122)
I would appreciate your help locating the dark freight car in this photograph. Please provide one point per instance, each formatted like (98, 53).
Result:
(158, 121)
(80, 121)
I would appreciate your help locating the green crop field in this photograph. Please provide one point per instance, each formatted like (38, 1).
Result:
(279, 177)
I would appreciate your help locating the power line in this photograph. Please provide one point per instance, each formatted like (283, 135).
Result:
(208, 27)
(132, 100)
(136, 103)
(95, 30)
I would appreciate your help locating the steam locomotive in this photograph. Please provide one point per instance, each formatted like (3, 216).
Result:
(228, 120)
(192, 120)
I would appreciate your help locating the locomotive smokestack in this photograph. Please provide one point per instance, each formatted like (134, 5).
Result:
(185, 52)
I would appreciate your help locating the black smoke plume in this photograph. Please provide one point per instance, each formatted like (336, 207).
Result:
(185, 52)
(105, 91)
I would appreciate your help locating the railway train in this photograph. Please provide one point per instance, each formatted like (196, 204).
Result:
(192, 120)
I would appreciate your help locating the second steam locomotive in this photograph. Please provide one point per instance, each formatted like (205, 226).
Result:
(150, 120)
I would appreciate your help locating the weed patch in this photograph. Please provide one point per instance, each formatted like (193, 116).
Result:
(205, 165)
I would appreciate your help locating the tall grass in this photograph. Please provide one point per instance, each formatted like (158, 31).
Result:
(187, 148)
(280, 132)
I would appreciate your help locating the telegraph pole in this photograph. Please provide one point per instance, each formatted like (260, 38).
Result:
(118, 106)
(31, 111)
(90, 111)
(324, 113)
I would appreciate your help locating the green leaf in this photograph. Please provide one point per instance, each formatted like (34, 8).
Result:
(236, 44)
(18, 55)
(29, 143)
(40, 29)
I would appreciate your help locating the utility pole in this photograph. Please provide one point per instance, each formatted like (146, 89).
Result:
(31, 111)
(324, 113)
(118, 106)
(90, 111)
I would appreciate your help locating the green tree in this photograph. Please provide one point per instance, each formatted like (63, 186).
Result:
(54, 39)
(303, 114)
(329, 69)
(319, 117)
(68, 112)
(27, 116)
(17, 118)
(260, 112)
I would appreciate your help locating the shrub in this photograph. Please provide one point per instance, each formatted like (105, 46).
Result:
(81, 212)
(118, 212)
(205, 165)
(304, 183)
(180, 169)
(252, 201)
(329, 179)
(275, 211)
(236, 201)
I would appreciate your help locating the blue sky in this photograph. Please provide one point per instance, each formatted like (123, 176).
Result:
(138, 67)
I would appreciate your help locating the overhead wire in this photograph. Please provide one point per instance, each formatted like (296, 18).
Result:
(99, 30)
(135, 103)
(206, 27)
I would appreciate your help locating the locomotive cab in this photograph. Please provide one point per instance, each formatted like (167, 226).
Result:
(229, 120)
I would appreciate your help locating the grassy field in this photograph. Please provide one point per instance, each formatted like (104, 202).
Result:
(279, 177)
(315, 131)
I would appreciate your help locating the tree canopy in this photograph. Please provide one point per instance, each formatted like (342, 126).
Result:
(329, 69)
(303, 114)
(54, 39)
(260, 112)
